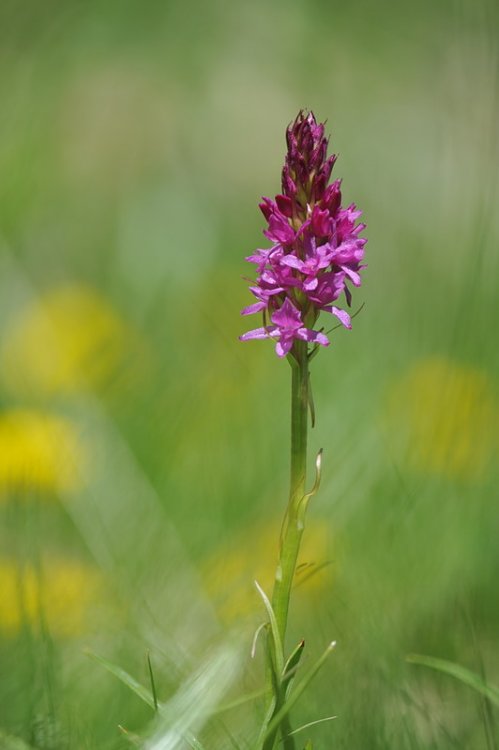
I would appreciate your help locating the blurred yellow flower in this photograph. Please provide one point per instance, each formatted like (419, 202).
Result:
(39, 450)
(443, 416)
(61, 594)
(68, 340)
(252, 555)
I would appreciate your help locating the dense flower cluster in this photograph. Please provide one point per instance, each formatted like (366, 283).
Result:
(316, 249)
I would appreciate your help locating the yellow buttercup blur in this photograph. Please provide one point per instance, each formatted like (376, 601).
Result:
(39, 451)
(442, 418)
(60, 595)
(68, 340)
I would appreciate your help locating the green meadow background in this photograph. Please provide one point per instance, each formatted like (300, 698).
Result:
(144, 449)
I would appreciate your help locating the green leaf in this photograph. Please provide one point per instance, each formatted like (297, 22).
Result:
(308, 746)
(263, 734)
(291, 666)
(259, 629)
(307, 497)
(459, 673)
(311, 724)
(278, 652)
(126, 679)
(298, 691)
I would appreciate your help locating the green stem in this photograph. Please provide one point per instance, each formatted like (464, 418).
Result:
(293, 525)
(293, 521)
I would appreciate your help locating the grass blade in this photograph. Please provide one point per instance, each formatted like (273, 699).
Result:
(153, 684)
(240, 701)
(460, 673)
(126, 679)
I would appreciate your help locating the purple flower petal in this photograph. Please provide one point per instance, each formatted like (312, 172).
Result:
(279, 230)
(287, 316)
(352, 275)
(283, 347)
(306, 334)
(342, 315)
(256, 333)
(321, 339)
(310, 284)
(256, 307)
(292, 261)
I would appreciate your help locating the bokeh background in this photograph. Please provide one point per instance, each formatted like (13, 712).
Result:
(144, 449)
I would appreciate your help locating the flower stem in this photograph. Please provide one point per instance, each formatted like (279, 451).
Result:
(292, 529)
(293, 525)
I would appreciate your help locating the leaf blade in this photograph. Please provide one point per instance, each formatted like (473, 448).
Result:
(123, 676)
(464, 675)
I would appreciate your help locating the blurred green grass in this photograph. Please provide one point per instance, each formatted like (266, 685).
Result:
(135, 142)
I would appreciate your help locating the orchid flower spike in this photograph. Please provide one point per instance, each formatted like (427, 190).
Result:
(316, 251)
